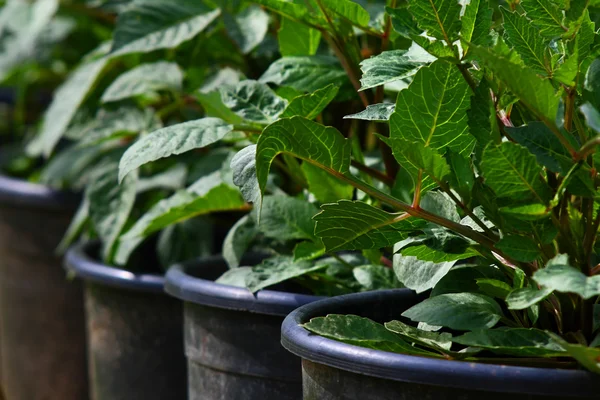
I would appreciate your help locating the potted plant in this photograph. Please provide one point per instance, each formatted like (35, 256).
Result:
(41, 314)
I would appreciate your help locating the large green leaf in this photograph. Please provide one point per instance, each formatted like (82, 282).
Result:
(417, 274)
(67, 100)
(349, 10)
(310, 105)
(175, 139)
(208, 194)
(459, 311)
(110, 205)
(439, 18)
(437, 341)
(518, 342)
(476, 23)
(536, 93)
(520, 299)
(149, 25)
(248, 28)
(354, 225)
(393, 65)
(513, 172)
(519, 248)
(360, 331)
(253, 101)
(527, 41)
(546, 16)
(285, 218)
(306, 74)
(305, 139)
(559, 276)
(297, 39)
(278, 269)
(145, 79)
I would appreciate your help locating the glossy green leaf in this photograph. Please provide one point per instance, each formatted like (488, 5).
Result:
(149, 25)
(439, 18)
(522, 298)
(297, 39)
(145, 79)
(238, 240)
(518, 342)
(519, 248)
(459, 311)
(248, 28)
(253, 101)
(559, 276)
(354, 225)
(437, 341)
(546, 16)
(393, 65)
(175, 139)
(278, 269)
(375, 112)
(419, 275)
(310, 105)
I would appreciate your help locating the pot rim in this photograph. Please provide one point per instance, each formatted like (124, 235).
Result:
(423, 370)
(79, 262)
(20, 192)
(182, 285)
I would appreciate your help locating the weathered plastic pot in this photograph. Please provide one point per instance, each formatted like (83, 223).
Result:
(134, 331)
(232, 336)
(334, 370)
(42, 335)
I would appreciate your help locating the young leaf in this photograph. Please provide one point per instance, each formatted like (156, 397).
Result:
(150, 25)
(310, 105)
(243, 166)
(278, 269)
(144, 79)
(360, 331)
(519, 342)
(238, 239)
(419, 275)
(522, 298)
(306, 74)
(285, 218)
(439, 18)
(519, 248)
(297, 39)
(375, 112)
(393, 65)
(558, 275)
(253, 101)
(354, 225)
(459, 311)
(175, 139)
(545, 16)
(436, 341)
(248, 28)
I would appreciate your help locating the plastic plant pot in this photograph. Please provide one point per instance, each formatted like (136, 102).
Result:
(134, 331)
(232, 336)
(42, 335)
(335, 370)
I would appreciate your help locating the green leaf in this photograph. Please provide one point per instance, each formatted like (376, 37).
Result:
(419, 275)
(243, 165)
(437, 341)
(589, 357)
(476, 23)
(306, 74)
(559, 276)
(248, 28)
(288, 9)
(459, 311)
(519, 342)
(349, 10)
(545, 16)
(393, 65)
(184, 241)
(482, 115)
(173, 178)
(304, 139)
(326, 188)
(375, 112)
(536, 93)
(494, 287)
(278, 269)
(80, 219)
(308, 250)
(463, 278)
(354, 225)
(149, 25)
(439, 18)
(546, 147)
(67, 100)
(376, 277)
(461, 178)
(145, 79)
(175, 139)
(238, 240)
(513, 172)
(592, 83)
(297, 39)
(360, 331)
(529, 212)
(253, 101)
(71, 168)
(522, 298)
(235, 277)
(286, 218)
(592, 116)
(527, 41)
(311, 105)
(110, 205)
(519, 248)
(209, 194)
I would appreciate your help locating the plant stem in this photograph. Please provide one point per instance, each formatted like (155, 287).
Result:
(468, 211)
(372, 172)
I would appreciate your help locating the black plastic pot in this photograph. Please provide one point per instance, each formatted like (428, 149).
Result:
(42, 336)
(134, 331)
(335, 370)
(232, 336)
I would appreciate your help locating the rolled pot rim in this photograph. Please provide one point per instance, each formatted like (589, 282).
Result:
(424, 370)
(186, 287)
(79, 262)
(20, 192)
